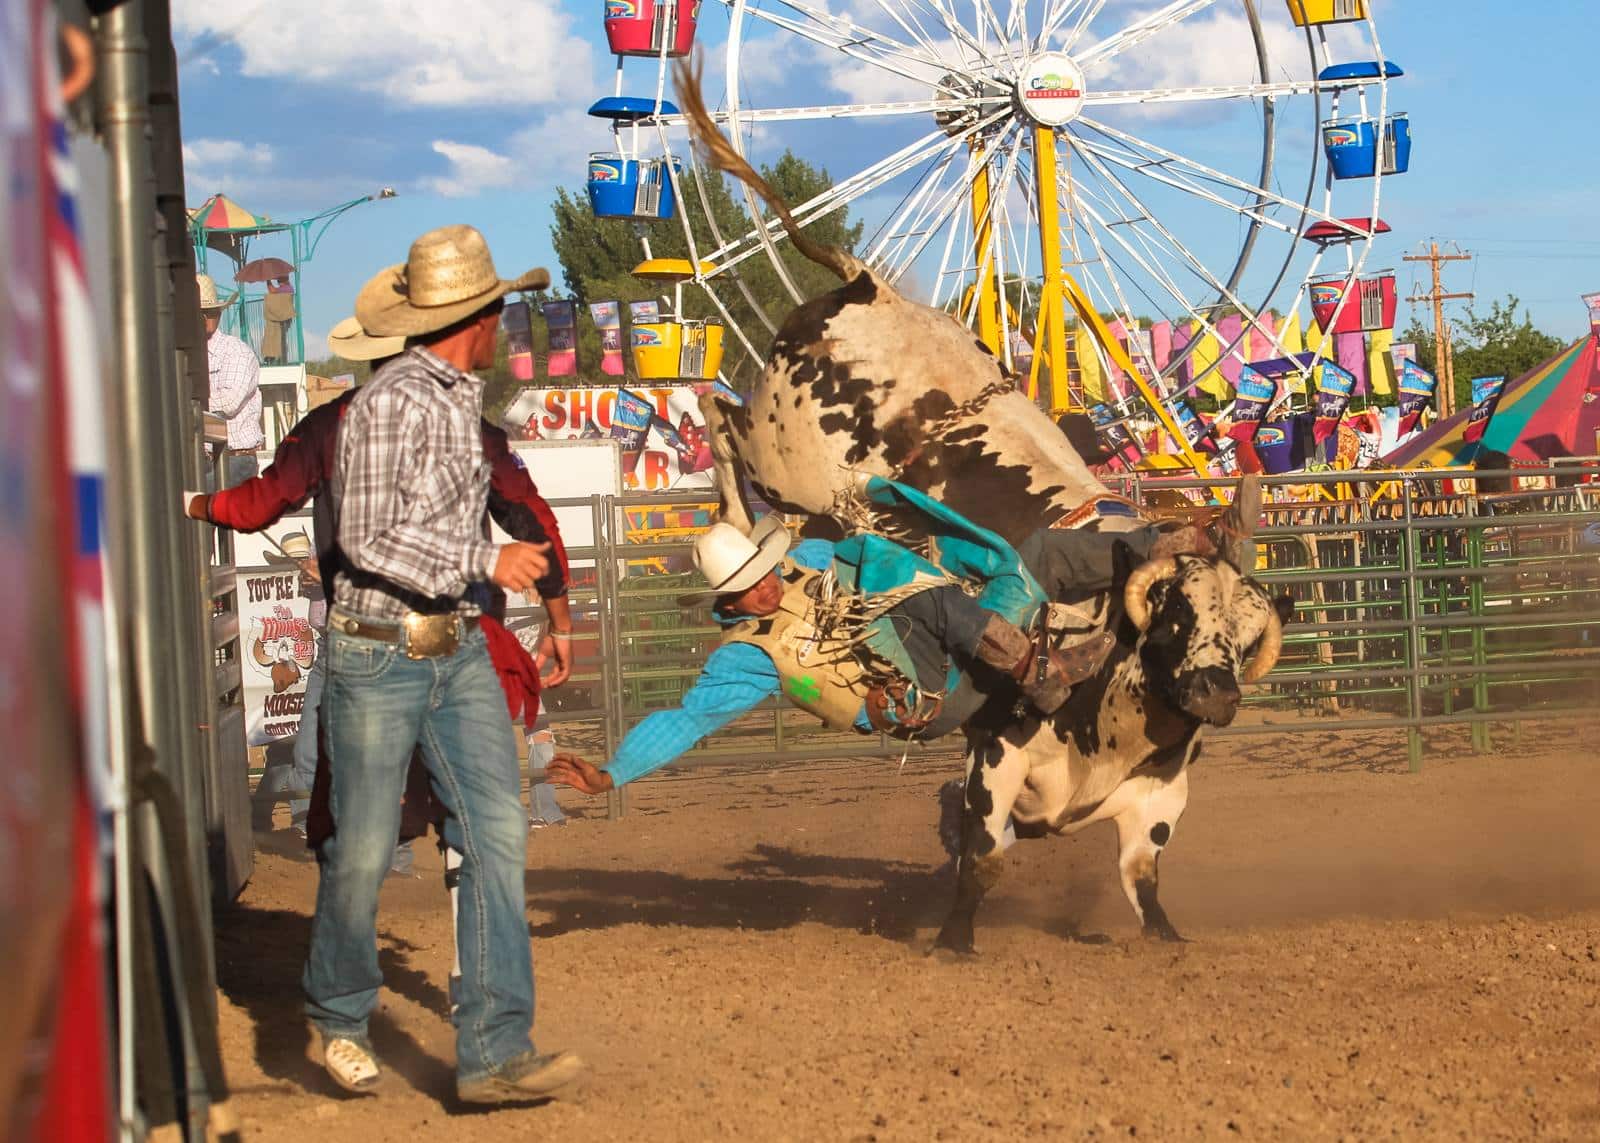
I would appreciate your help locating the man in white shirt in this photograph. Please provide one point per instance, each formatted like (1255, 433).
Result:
(235, 387)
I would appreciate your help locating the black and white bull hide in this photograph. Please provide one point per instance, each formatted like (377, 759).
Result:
(1190, 633)
(862, 380)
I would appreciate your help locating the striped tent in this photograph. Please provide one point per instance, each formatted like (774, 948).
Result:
(1550, 410)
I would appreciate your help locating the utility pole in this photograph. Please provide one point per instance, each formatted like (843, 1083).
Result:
(1443, 355)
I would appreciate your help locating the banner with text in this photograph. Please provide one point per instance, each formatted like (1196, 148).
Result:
(660, 431)
(1485, 390)
(561, 319)
(608, 320)
(517, 319)
(1416, 390)
(1334, 387)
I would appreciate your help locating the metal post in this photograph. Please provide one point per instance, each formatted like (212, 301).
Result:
(607, 581)
(1481, 741)
(1408, 569)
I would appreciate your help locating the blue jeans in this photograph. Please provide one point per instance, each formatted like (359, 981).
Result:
(378, 705)
(305, 739)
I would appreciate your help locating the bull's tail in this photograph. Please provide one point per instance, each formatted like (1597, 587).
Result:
(716, 151)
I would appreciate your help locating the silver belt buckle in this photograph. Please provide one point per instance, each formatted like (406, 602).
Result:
(431, 636)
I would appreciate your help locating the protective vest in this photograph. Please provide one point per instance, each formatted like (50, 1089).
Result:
(818, 672)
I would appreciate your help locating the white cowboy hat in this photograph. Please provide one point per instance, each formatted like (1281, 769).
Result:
(208, 293)
(448, 275)
(349, 341)
(733, 562)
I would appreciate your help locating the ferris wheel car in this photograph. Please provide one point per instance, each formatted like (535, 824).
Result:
(1344, 230)
(1313, 13)
(630, 108)
(1371, 308)
(642, 27)
(677, 349)
(1352, 146)
(1349, 73)
(639, 190)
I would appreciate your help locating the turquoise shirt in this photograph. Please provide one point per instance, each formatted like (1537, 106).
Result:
(736, 679)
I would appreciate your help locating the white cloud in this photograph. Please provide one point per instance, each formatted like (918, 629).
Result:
(212, 165)
(419, 53)
(226, 153)
(472, 169)
(550, 152)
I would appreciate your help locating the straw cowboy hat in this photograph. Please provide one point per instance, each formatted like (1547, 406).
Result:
(349, 341)
(295, 546)
(447, 276)
(208, 293)
(733, 562)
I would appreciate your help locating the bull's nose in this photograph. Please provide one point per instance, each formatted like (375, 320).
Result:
(1210, 694)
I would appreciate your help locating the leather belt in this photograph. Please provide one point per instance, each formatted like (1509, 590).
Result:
(243, 451)
(421, 636)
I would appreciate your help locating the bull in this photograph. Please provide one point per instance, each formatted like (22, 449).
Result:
(863, 381)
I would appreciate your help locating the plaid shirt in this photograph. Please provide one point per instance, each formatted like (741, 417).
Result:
(235, 389)
(410, 483)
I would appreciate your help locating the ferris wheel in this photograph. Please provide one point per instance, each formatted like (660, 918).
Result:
(1156, 196)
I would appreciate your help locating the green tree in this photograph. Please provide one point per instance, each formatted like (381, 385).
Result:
(598, 255)
(1485, 345)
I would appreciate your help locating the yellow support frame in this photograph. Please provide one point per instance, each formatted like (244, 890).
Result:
(982, 241)
(1060, 288)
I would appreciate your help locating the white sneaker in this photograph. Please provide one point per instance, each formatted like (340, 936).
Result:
(352, 1065)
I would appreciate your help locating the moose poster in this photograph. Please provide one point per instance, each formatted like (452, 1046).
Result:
(280, 597)
(662, 434)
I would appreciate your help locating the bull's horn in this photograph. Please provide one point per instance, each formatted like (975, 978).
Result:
(1266, 656)
(1144, 577)
(259, 653)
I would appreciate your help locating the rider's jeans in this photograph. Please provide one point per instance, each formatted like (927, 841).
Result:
(378, 704)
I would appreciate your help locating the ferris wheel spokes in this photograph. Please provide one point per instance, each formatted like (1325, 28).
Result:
(1095, 98)
(1140, 30)
(851, 39)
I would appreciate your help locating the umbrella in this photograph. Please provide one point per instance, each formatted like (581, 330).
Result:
(1542, 414)
(264, 270)
(219, 212)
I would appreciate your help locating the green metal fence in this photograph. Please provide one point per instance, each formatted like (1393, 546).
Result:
(1418, 604)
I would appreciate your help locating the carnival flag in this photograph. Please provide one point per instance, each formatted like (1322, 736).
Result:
(1230, 330)
(608, 320)
(1484, 392)
(1161, 344)
(1333, 398)
(640, 313)
(561, 318)
(518, 322)
(1381, 373)
(1256, 395)
(1402, 351)
(1592, 301)
(631, 418)
(1416, 390)
(1109, 428)
(1195, 431)
(1350, 350)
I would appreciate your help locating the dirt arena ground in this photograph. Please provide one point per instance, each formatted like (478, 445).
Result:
(1373, 955)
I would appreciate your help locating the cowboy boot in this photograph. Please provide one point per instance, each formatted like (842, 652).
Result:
(1046, 674)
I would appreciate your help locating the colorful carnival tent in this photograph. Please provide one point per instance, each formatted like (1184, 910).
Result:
(1550, 411)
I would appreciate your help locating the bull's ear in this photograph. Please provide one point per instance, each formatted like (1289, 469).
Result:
(1284, 606)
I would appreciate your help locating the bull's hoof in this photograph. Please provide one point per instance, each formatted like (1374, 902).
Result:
(953, 943)
(951, 954)
(1163, 931)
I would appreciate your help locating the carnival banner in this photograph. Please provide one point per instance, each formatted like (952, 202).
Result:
(1416, 390)
(1333, 397)
(517, 319)
(660, 431)
(608, 320)
(561, 319)
(1255, 396)
(1592, 303)
(1195, 431)
(1114, 436)
(1485, 390)
(640, 313)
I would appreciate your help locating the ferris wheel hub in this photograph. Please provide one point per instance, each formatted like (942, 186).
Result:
(1050, 89)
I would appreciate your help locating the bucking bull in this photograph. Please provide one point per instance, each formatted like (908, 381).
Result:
(863, 381)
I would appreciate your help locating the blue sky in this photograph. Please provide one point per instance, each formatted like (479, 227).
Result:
(474, 112)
